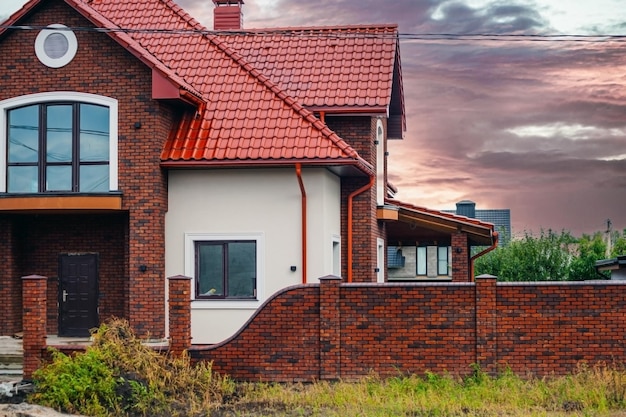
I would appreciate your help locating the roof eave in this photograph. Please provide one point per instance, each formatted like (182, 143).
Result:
(23, 11)
(359, 165)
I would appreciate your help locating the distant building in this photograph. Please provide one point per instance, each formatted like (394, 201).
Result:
(500, 218)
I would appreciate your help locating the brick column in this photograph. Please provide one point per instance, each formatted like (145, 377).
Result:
(180, 314)
(34, 289)
(486, 330)
(460, 258)
(330, 331)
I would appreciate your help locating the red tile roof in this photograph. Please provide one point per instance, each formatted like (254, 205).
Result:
(325, 67)
(440, 214)
(479, 233)
(255, 87)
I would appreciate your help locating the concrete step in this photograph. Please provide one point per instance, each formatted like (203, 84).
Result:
(10, 367)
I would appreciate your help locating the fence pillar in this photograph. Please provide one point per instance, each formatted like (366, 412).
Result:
(330, 330)
(486, 330)
(34, 289)
(179, 303)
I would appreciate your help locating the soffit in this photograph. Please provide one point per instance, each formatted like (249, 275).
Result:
(417, 223)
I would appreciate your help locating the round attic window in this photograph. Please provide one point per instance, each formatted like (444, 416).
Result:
(56, 46)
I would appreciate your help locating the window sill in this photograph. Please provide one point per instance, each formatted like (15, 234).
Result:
(52, 202)
(204, 304)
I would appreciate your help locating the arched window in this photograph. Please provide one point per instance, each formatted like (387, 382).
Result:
(58, 143)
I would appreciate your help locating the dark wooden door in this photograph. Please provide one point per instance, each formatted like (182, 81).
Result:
(78, 294)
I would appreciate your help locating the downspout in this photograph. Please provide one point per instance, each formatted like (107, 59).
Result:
(304, 222)
(350, 199)
(496, 237)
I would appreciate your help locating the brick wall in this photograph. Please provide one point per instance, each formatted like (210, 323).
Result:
(40, 239)
(541, 328)
(359, 132)
(103, 67)
(10, 283)
(460, 258)
(34, 322)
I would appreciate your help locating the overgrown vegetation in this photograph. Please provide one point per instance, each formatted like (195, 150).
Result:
(551, 256)
(591, 391)
(118, 376)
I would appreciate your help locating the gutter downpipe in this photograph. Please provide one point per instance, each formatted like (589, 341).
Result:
(496, 238)
(350, 199)
(304, 220)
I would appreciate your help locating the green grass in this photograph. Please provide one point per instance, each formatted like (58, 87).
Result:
(593, 391)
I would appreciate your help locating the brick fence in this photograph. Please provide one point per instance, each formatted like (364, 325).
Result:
(334, 330)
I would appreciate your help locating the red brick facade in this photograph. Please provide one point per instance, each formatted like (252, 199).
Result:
(348, 330)
(460, 258)
(123, 240)
(360, 133)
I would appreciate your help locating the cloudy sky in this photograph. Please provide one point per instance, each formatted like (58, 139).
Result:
(535, 124)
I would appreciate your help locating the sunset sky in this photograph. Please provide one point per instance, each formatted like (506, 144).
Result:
(533, 124)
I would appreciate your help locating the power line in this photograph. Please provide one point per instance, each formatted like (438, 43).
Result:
(349, 32)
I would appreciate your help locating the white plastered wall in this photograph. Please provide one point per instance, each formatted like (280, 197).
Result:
(265, 203)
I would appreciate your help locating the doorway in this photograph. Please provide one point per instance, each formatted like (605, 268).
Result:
(78, 294)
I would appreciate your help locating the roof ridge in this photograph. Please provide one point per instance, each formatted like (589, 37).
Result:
(286, 98)
(355, 27)
(184, 15)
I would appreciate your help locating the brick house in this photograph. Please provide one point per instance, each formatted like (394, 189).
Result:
(138, 145)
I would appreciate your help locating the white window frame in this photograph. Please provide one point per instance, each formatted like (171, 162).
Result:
(381, 186)
(381, 262)
(427, 267)
(68, 56)
(73, 96)
(190, 270)
(335, 255)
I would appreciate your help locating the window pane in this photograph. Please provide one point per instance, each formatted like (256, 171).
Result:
(242, 269)
(94, 178)
(94, 133)
(59, 178)
(59, 133)
(23, 134)
(442, 260)
(421, 260)
(210, 269)
(22, 179)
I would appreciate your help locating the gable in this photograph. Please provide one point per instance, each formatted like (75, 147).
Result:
(239, 104)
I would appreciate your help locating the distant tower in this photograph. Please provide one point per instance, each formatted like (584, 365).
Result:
(227, 14)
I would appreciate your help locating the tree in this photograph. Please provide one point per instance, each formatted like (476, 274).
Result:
(550, 257)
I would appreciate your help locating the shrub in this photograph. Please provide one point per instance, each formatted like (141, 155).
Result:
(119, 375)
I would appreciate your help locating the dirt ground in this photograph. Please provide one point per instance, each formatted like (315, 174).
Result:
(27, 410)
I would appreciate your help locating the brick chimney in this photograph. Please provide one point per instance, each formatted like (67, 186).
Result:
(227, 14)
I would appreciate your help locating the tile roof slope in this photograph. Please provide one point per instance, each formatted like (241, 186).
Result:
(361, 57)
(247, 117)
(441, 214)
